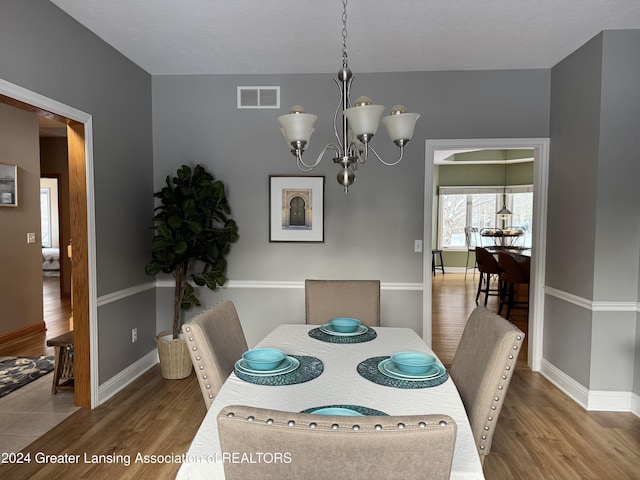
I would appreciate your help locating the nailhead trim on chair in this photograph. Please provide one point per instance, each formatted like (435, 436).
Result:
(200, 366)
(495, 407)
(337, 426)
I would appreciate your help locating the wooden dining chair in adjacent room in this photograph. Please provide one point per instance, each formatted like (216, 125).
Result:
(514, 274)
(215, 340)
(327, 299)
(489, 269)
(482, 369)
(313, 447)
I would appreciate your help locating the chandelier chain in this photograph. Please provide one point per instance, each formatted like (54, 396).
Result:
(353, 126)
(344, 33)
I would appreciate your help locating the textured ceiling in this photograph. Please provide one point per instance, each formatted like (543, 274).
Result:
(304, 36)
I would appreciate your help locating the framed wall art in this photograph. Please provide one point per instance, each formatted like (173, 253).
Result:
(8, 185)
(296, 208)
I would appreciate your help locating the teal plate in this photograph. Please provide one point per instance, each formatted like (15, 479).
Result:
(389, 368)
(367, 336)
(328, 329)
(346, 410)
(289, 364)
(308, 369)
(369, 369)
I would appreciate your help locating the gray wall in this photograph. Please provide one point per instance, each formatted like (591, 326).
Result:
(370, 232)
(45, 51)
(593, 199)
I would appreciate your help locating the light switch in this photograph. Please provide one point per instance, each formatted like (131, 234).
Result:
(31, 238)
(418, 246)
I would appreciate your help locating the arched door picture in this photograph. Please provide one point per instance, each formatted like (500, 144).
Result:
(297, 212)
(296, 209)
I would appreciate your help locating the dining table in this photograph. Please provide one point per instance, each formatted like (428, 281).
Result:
(336, 370)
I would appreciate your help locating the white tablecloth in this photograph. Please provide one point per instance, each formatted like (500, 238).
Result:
(340, 383)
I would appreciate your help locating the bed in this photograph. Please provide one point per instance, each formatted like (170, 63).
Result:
(50, 261)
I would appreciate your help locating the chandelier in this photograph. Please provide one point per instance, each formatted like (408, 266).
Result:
(359, 124)
(504, 213)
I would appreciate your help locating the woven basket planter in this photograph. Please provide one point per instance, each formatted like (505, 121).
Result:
(175, 361)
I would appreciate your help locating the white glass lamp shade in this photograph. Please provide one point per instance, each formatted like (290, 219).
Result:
(291, 144)
(297, 127)
(364, 119)
(504, 212)
(401, 125)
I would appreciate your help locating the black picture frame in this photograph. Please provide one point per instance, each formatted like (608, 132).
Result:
(296, 208)
(8, 185)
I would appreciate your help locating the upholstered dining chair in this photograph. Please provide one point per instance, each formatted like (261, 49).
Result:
(482, 368)
(513, 274)
(488, 268)
(314, 447)
(215, 340)
(326, 299)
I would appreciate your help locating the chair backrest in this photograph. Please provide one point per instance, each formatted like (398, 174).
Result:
(512, 270)
(471, 237)
(327, 299)
(215, 340)
(487, 263)
(482, 369)
(309, 447)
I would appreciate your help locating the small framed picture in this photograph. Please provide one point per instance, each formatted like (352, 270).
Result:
(8, 185)
(296, 209)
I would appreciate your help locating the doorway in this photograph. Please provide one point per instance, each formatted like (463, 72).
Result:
(80, 158)
(540, 147)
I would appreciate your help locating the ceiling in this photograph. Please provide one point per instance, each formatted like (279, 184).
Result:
(304, 36)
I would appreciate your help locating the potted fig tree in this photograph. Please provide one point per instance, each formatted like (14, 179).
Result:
(193, 235)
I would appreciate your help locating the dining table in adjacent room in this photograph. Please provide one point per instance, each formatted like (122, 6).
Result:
(336, 371)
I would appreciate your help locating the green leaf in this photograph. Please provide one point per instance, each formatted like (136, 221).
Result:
(174, 222)
(152, 269)
(181, 248)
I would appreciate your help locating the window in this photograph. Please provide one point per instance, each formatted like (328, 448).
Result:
(45, 216)
(477, 206)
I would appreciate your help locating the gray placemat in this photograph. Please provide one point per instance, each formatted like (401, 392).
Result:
(318, 334)
(310, 368)
(369, 370)
(356, 408)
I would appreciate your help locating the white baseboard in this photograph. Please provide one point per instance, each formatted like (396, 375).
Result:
(609, 401)
(635, 404)
(565, 383)
(592, 400)
(112, 386)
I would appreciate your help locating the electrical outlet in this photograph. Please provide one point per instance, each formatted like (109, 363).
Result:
(417, 246)
(134, 335)
(31, 238)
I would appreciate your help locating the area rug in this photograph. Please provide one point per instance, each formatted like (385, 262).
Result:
(16, 372)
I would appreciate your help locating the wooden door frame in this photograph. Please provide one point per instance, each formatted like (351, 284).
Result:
(84, 285)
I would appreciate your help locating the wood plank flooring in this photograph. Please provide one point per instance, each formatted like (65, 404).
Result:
(541, 434)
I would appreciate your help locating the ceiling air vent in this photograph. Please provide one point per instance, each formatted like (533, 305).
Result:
(258, 97)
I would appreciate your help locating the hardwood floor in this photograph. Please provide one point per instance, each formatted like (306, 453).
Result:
(56, 311)
(541, 434)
